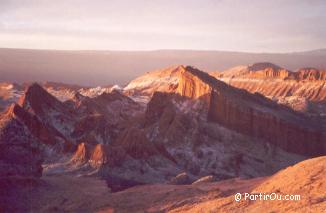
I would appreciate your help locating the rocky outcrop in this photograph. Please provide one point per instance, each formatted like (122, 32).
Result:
(180, 179)
(95, 156)
(50, 112)
(96, 120)
(37, 100)
(19, 151)
(254, 115)
(203, 180)
(82, 154)
(310, 74)
(99, 156)
(46, 134)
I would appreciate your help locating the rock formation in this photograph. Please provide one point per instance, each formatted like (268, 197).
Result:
(303, 90)
(20, 155)
(254, 115)
(197, 125)
(20, 161)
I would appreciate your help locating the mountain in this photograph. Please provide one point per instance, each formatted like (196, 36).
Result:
(20, 155)
(11, 92)
(266, 70)
(253, 114)
(20, 159)
(151, 138)
(163, 80)
(173, 126)
(236, 109)
(189, 122)
(303, 90)
(94, 68)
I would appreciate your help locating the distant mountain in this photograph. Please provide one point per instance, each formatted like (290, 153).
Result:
(93, 68)
(303, 90)
(10, 92)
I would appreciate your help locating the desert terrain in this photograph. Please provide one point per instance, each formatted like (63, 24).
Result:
(176, 139)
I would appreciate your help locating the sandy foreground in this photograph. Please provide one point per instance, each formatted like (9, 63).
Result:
(67, 193)
(89, 194)
(72, 193)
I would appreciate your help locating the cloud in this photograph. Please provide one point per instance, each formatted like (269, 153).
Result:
(278, 25)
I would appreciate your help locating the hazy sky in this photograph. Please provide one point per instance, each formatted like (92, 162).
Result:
(237, 25)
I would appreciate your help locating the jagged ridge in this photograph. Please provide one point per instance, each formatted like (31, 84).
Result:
(253, 114)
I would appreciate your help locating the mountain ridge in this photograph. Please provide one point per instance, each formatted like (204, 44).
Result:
(192, 128)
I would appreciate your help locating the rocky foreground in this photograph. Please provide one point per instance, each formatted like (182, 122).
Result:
(89, 194)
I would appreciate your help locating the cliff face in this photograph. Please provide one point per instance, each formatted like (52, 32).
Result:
(289, 135)
(254, 115)
(19, 152)
(193, 84)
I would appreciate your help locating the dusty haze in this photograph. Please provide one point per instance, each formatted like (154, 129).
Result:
(92, 68)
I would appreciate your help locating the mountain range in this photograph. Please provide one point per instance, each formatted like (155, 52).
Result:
(180, 127)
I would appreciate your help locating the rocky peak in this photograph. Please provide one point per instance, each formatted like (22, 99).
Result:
(194, 83)
(45, 134)
(163, 80)
(37, 99)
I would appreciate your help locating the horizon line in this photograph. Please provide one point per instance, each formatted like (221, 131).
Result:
(157, 50)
